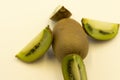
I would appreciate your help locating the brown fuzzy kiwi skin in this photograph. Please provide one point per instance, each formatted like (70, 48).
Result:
(68, 38)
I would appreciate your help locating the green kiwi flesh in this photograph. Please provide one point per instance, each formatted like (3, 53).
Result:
(69, 37)
(73, 68)
(37, 47)
(59, 13)
(100, 30)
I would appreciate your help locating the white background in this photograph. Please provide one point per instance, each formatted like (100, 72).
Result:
(22, 20)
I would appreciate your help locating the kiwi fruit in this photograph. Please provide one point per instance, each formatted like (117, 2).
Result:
(59, 13)
(37, 47)
(100, 30)
(73, 68)
(68, 38)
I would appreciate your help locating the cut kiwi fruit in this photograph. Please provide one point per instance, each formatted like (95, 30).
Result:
(59, 13)
(69, 37)
(37, 47)
(73, 68)
(100, 30)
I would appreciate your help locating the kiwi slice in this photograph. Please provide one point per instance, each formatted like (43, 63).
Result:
(73, 68)
(100, 30)
(37, 47)
(59, 13)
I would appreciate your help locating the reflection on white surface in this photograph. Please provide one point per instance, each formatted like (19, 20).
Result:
(21, 20)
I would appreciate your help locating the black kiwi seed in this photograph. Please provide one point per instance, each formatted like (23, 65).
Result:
(31, 52)
(105, 33)
(33, 49)
(36, 46)
(89, 27)
(71, 76)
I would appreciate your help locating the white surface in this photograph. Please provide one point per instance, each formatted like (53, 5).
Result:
(21, 20)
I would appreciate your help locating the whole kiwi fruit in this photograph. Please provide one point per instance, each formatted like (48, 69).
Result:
(68, 38)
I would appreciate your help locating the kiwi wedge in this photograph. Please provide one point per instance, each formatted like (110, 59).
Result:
(37, 47)
(69, 37)
(59, 13)
(100, 30)
(73, 68)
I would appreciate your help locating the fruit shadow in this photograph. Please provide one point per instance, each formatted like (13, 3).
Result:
(50, 54)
